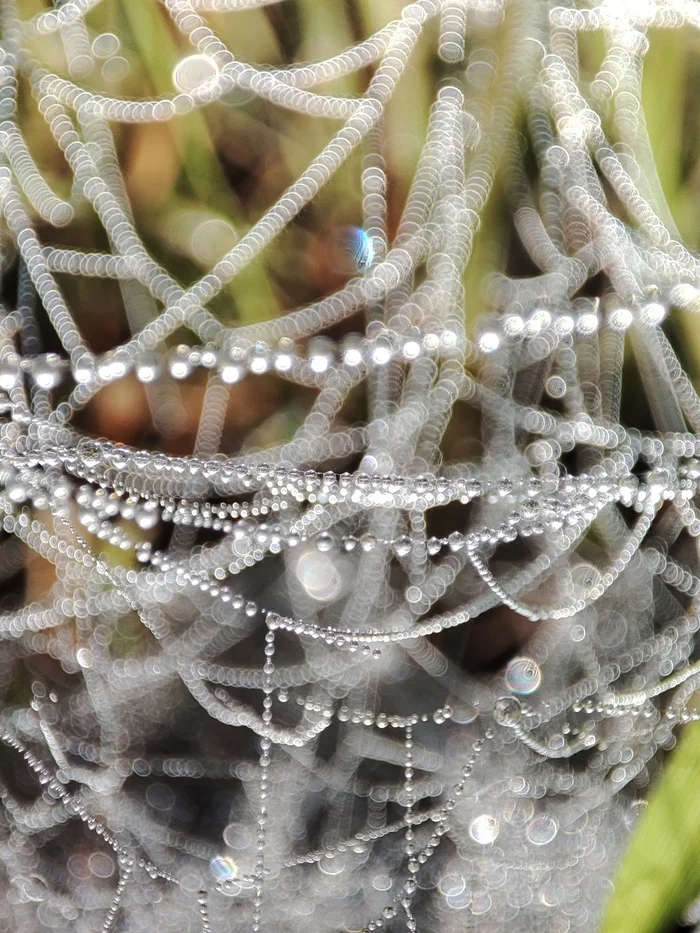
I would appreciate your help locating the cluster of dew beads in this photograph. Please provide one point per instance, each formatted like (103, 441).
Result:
(329, 602)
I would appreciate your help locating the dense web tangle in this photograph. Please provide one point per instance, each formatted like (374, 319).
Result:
(244, 698)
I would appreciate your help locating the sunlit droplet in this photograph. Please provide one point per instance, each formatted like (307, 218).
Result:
(489, 342)
(223, 868)
(653, 313)
(194, 71)
(484, 829)
(621, 318)
(318, 573)
(84, 657)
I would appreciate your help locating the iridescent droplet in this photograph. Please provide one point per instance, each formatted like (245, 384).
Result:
(360, 247)
(523, 675)
(223, 868)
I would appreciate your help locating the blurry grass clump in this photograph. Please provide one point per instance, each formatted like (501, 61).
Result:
(660, 876)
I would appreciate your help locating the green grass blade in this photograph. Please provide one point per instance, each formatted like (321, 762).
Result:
(660, 875)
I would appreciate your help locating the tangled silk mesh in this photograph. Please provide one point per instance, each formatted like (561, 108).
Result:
(246, 696)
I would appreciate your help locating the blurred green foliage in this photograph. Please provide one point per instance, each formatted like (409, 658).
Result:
(660, 876)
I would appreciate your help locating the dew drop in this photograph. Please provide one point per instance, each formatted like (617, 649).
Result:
(484, 829)
(523, 676)
(223, 868)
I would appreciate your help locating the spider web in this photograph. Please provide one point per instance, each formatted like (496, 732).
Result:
(249, 696)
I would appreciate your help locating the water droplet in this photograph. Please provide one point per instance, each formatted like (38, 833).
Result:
(542, 830)
(507, 711)
(33, 887)
(462, 712)
(318, 573)
(101, 865)
(459, 901)
(84, 657)
(229, 888)
(194, 71)
(451, 885)
(114, 69)
(331, 865)
(105, 45)
(556, 387)
(523, 675)
(484, 829)
(360, 246)
(223, 868)
(212, 239)
(381, 883)
(489, 342)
